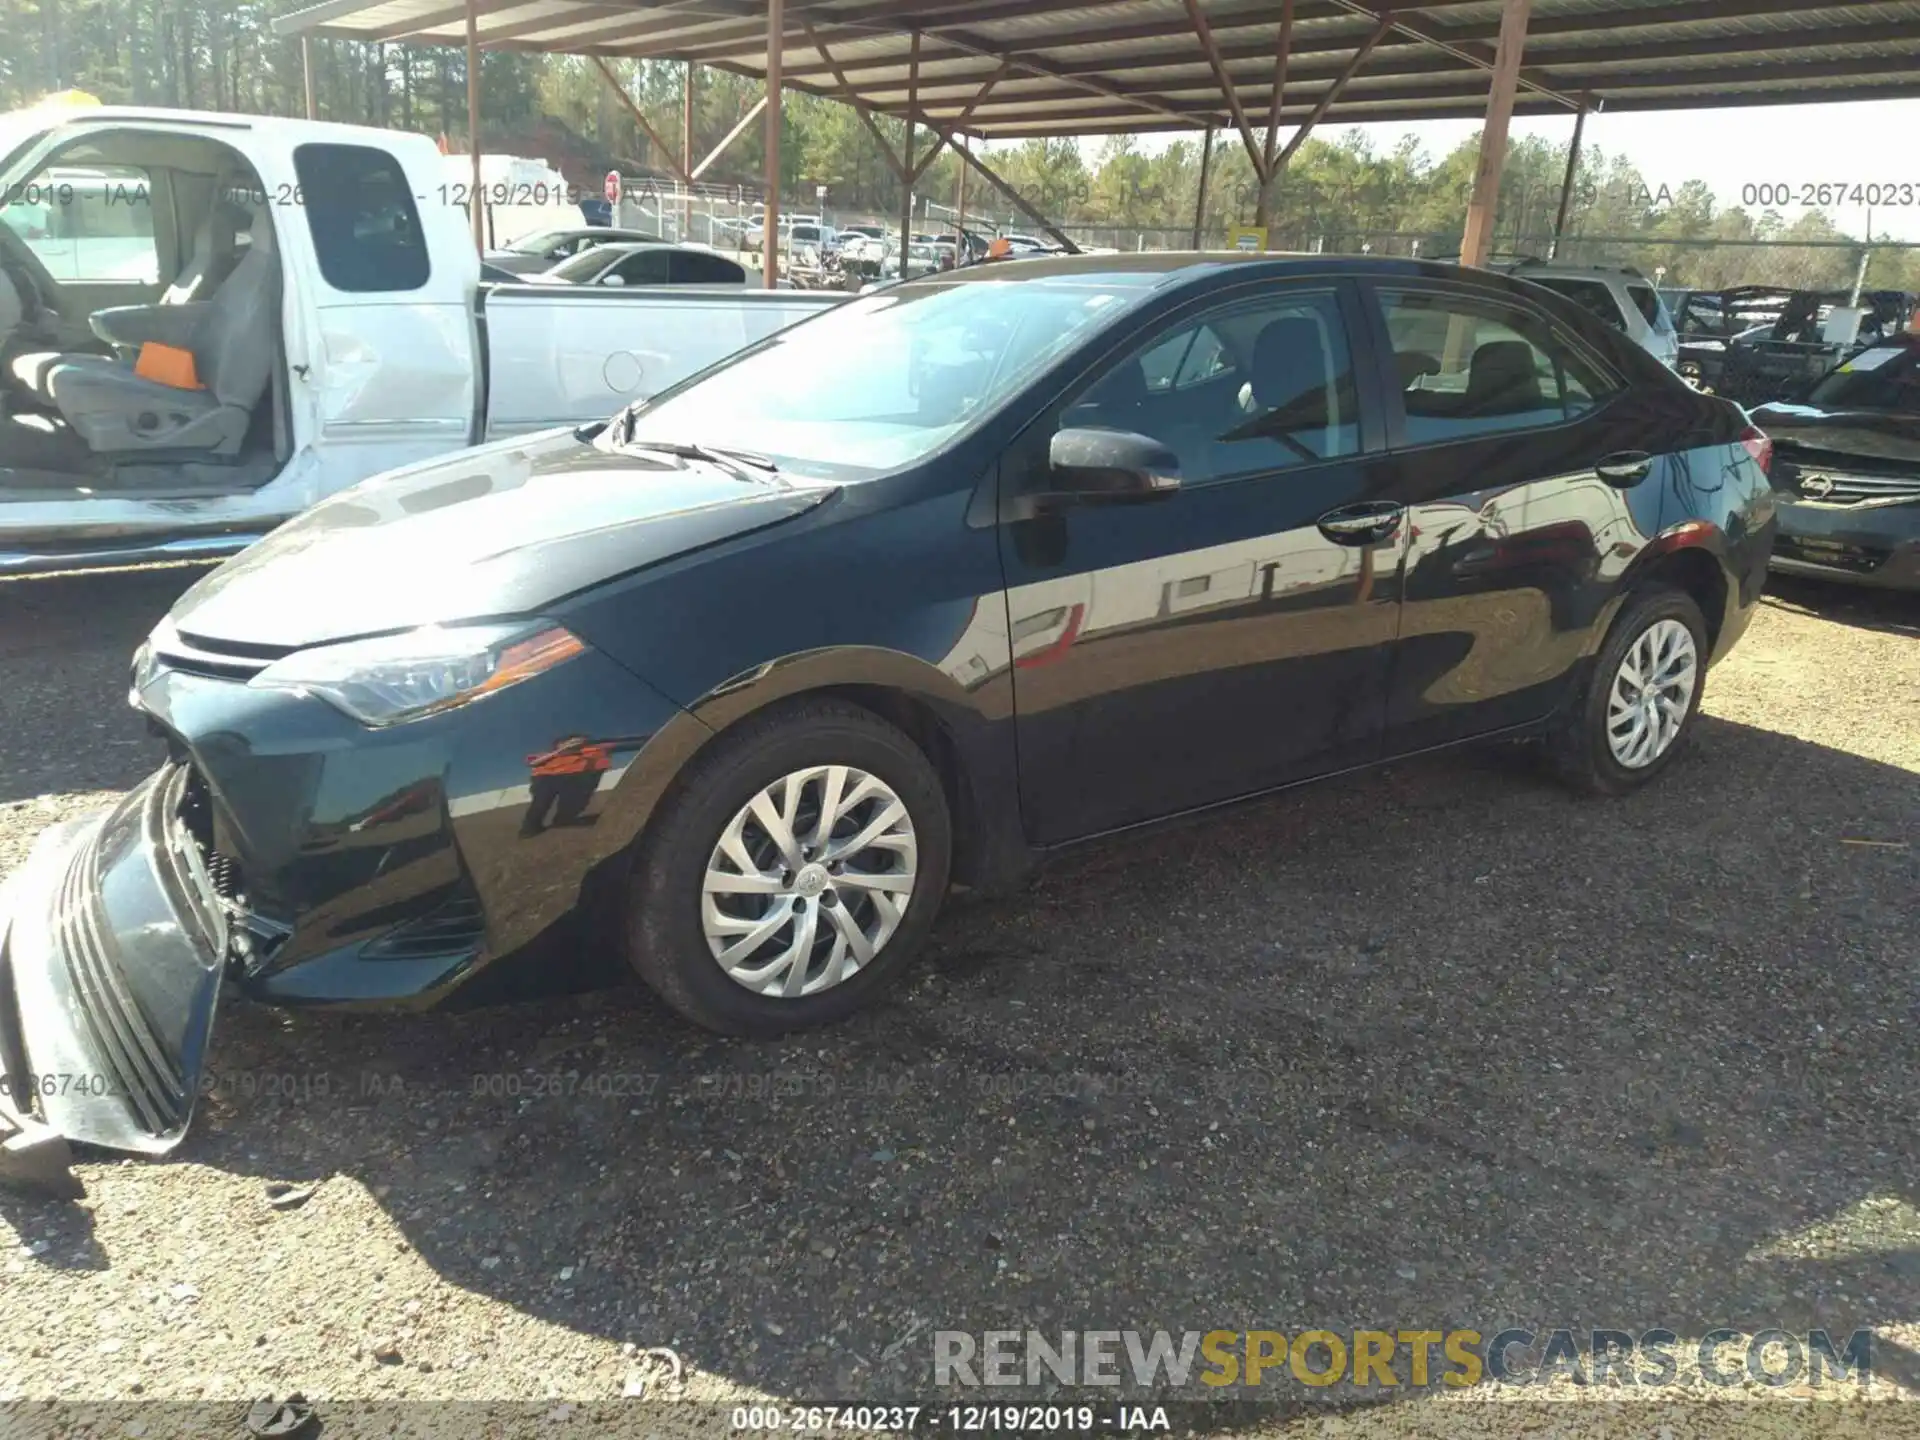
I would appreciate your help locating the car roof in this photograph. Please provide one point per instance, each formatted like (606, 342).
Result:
(1175, 266)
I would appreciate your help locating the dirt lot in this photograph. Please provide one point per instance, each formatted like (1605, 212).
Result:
(1436, 1047)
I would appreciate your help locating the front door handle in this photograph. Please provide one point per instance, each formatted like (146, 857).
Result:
(1628, 467)
(1365, 524)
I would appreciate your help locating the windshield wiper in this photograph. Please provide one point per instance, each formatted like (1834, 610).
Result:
(741, 464)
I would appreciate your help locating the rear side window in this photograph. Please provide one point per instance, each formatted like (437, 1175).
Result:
(360, 212)
(687, 267)
(1471, 366)
(1590, 295)
(643, 267)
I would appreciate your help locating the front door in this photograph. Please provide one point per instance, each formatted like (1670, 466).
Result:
(1230, 637)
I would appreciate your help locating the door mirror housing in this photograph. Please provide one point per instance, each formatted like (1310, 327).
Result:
(613, 279)
(1105, 467)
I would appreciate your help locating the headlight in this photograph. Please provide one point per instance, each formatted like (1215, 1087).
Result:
(393, 678)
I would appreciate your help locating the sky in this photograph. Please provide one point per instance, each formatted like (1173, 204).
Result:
(1791, 145)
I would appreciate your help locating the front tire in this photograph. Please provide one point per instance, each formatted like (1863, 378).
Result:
(1637, 709)
(793, 873)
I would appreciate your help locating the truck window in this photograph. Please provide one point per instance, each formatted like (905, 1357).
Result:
(1589, 294)
(89, 225)
(360, 212)
(1650, 306)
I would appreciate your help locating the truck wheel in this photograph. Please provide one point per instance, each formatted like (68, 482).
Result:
(1638, 705)
(793, 872)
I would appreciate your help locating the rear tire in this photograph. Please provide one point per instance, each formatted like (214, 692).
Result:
(814, 930)
(1617, 735)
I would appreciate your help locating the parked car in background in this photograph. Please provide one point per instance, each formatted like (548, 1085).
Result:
(547, 248)
(1846, 470)
(650, 264)
(1621, 297)
(1761, 343)
(915, 591)
(1028, 245)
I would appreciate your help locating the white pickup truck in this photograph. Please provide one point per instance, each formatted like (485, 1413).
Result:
(322, 283)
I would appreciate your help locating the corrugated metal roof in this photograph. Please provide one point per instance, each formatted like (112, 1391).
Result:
(1012, 68)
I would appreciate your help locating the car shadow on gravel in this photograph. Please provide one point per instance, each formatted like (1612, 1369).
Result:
(1435, 1047)
(1892, 612)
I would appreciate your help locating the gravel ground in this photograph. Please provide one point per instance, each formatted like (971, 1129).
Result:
(1436, 1047)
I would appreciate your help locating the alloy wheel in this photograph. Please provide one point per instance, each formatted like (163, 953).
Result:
(809, 881)
(1652, 691)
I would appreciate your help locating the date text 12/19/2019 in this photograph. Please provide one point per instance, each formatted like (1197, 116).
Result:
(953, 1419)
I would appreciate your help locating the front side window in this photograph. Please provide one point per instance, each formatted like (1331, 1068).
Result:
(1256, 387)
(1471, 366)
(360, 212)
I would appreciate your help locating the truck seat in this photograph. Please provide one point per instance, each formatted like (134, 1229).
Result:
(169, 320)
(233, 343)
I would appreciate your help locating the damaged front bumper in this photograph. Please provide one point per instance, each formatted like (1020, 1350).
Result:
(113, 940)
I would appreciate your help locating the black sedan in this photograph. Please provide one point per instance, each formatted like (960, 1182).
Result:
(546, 248)
(907, 595)
(1848, 473)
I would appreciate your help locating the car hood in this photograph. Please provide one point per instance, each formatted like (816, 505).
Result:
(500, 530)
(1882, 435)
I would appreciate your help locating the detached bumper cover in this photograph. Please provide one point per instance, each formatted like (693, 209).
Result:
(112, 945)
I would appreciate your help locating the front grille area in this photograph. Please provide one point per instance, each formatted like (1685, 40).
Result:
(1834, 554)
(142, 1070)
(454, 927)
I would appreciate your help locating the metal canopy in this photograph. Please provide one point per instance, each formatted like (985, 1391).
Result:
(1064, 67)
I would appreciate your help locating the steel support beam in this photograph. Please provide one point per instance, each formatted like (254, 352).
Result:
(906, 153)
(739, 129)
(476, 197)
(1566, 185)
(1200, 196)
(1315, 115)
(639, 118)
(1232, 96)
(1014, 197)
(1474, 55)
(686, 150)
(1283, 53)
(770, 212)
(1483, 208)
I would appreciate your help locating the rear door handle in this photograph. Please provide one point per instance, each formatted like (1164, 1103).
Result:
(1364, 524)
(1628, 467)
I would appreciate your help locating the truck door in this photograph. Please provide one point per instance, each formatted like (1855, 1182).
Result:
(390, 374)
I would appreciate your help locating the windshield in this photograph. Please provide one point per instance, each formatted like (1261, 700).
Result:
(880, 382)
(1885, 377)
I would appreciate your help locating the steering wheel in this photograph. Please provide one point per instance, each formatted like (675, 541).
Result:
(35, 287)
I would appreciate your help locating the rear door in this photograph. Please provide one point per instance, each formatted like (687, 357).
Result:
(1233, 636)
(1498, 417)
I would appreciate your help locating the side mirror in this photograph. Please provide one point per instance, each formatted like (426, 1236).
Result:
(1105, 467)
(612, 280)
